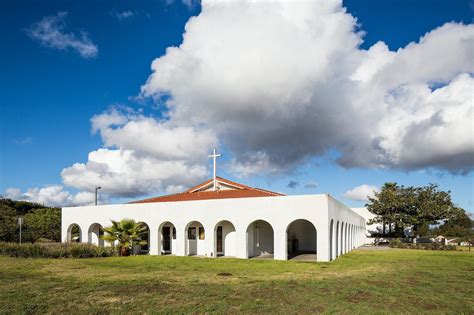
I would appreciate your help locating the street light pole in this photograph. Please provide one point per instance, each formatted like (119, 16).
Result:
(97, 188)
(20, 222)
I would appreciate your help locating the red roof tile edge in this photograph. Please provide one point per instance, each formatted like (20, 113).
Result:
(243, 191)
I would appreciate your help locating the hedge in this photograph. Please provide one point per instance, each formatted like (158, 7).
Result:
(55, 250)
(428, 246)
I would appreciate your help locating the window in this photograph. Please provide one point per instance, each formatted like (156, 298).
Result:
(191, 233)
(174, 233)
(201, 233)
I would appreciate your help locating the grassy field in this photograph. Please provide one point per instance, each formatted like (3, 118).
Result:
(400, 281)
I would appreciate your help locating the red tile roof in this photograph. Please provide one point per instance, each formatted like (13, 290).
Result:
(194, 193)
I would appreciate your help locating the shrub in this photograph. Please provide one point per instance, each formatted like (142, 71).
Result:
(397, 243)
(55, 250)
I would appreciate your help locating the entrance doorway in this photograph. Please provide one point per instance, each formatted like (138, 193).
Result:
(219, 240)
(167, 239)
(225, 239)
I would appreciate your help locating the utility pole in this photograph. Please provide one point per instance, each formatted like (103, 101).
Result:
(97, 188)
(20, 222)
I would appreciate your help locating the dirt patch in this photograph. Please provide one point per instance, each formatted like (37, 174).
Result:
(412, 281)
(224, 274)
(431, 306)
(358, 297)
(379, 283)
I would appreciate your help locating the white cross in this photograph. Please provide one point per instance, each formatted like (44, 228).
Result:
(214, 156)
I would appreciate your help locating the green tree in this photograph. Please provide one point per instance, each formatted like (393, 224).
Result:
(461, 226)
(43, 223)
(40, 221)
(8, 224)
(388, 206)
(417, 207)
(432, 206)
(127, 233)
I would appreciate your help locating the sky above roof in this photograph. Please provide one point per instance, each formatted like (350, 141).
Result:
(300, 97)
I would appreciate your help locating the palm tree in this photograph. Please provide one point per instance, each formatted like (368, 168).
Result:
(127, 233)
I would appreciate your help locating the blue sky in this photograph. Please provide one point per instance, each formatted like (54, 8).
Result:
(50, 94)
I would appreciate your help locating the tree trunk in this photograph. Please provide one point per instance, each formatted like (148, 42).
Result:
(124, 251)
(383, 228)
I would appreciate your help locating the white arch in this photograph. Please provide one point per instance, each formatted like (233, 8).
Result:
(260, 239)
(347, 238)
(195, 238)
(331, 240)
(301, 237)
(74, 238)
(143, 249)
(166, 238)
(95, 233)
(341, 239)
(225, 237)
(337, 240)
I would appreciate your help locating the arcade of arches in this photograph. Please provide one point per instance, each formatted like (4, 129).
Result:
(301, 238)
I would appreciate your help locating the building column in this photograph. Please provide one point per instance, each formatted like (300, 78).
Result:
(241, 243)
(279, 244)
(322, 245)
(181, 236)
(210, 242)
(153, 241)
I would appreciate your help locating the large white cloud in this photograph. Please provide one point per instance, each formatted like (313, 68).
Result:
(54, 195)
(361, 193)
(141, 155)
(281, 90)
(297, 84)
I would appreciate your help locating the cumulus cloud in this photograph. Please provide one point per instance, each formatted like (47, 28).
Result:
(281, 92)
(50, 32)
(361, 193)
(141, 155)
(188, 3)
(292, 184)
(54, 196)
(123, 15)
(248, 164)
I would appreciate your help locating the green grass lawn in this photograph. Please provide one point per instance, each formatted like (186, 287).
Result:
(401, 281)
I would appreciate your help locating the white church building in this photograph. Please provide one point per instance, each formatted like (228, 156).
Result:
(224, 218)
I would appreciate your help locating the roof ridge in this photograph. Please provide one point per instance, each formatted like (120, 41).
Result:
(270, 192)
(192, 192)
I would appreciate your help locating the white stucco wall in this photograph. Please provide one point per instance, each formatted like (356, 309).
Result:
(372, 228)
(278, 211)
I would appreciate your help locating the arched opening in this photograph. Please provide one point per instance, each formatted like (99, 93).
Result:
(95, 233)
(195, 239)
(145, 236)
(74, 234)
(167, 239)
(260, 239)
(345, 238)
(331, 237)
(337, 239)
(352, 237)
(348, 230)
(225, 239)
(301, 240)
(341, 249)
